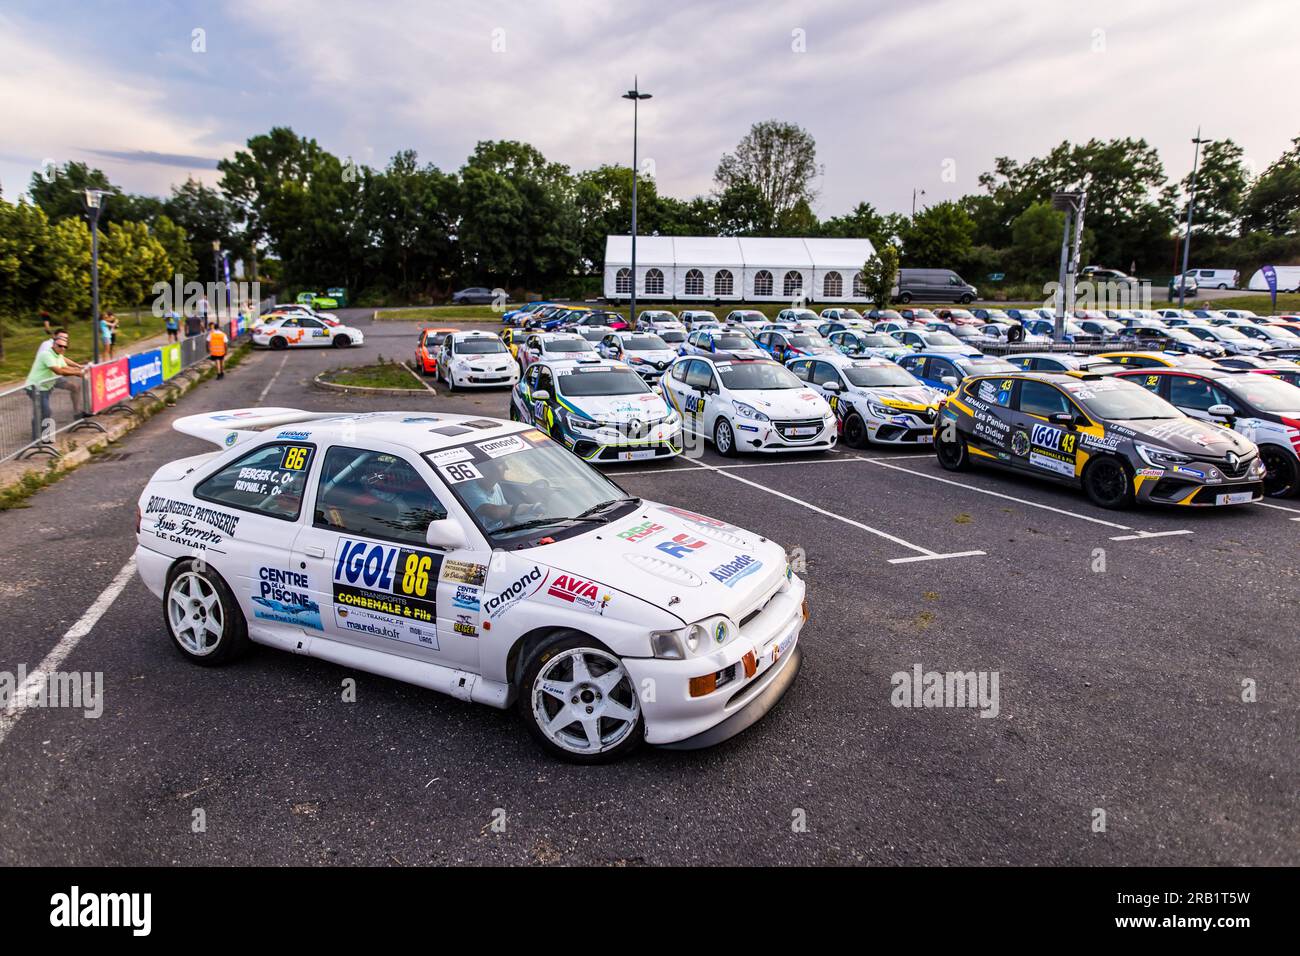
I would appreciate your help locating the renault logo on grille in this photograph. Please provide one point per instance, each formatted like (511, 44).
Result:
(1232, 459)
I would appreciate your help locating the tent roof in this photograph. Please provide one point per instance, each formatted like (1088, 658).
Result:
(753, 252)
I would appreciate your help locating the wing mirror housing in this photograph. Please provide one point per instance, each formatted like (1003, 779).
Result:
(1222, 410)
(446, 534)
(833, 387)
(542, 395)
(949, 380)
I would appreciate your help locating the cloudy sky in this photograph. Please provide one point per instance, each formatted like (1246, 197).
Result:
(919, 94)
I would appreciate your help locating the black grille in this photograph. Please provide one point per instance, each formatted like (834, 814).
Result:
(787, 428)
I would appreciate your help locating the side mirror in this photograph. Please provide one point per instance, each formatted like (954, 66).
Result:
(1222, 411)
(833, 387)
(1064, 419)
(446, 534)
(542, 395)
(949, 380)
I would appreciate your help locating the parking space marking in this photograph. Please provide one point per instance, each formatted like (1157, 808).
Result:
(71, 638)
(836, 460)
(1148, 534)
(923, 554)
(271, 380)
(1265, 504)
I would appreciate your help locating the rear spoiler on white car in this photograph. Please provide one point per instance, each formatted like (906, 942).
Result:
(234, 426)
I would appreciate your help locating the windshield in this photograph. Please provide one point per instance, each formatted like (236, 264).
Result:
(1182, 335)
(940, 338)
(733, 342)
(1267, 393)
(808, 341)
(753, 376)
(852, 314)
(876, 340)
(673, 336)
(1231, 334)
(879, 376)
(985, 365)
(483, 346)
(531, 485)
(567, 345)
(886, 314)
(576, 383)
(644, 343)
(1111, 400)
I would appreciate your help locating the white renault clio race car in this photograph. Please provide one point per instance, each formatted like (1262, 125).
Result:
(748, 405)
(476, 360)
(298, 330)
(475, 557)
(875, 400)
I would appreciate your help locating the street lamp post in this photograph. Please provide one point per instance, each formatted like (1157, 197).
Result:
(635, 95)
(94, 202)
(216, 278)
(1191, 202)
(914, 192)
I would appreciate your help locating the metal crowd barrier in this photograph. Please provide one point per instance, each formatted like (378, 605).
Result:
(105, 390)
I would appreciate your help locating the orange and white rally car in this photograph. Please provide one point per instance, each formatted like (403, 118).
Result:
(296, 330)
(427, 347)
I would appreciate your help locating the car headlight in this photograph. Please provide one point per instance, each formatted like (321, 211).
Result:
(672, 419)
(1159, 457)
(583, 423)
(880, 411)
(1257, 468)
(633, 360)
(749, 411)
(698, 639)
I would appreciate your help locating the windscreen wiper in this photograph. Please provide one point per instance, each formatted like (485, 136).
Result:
(590, 512)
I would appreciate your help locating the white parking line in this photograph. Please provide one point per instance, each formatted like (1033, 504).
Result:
(271, 380)
(55, 658)
(1148, 534)
(837, 460)
(1265, 504)
(923, 554)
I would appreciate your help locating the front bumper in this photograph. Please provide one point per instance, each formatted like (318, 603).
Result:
(762, 663)
(782, 435)
(486, 379)
(901, 429)
(1211, 488)
(609, 445)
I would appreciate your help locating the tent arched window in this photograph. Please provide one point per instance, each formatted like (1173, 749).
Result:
(762, 282)
(723, 282)
(793, 284)
(833, 285)
(694, 282)
(654, 282)
(623, 282)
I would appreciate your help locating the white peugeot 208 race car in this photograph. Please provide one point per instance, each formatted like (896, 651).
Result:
(475, 557)
(748, 405)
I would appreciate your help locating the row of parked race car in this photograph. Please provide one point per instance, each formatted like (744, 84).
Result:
(1168, 419)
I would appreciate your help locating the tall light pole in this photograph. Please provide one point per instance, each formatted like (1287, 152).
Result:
(94, 202)
(216, 279)
(636, 96)
(914, 192)
(1191, 202)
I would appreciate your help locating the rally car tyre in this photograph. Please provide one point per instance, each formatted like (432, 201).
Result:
(953, 455)
(578, 700)
(724, 439)
(202, 616)
(449, 381)
(1280, 471)
(279, 342)
(1108, 484)
(342, 341)
(855, 432)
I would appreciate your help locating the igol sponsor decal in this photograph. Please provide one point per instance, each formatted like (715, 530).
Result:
(732, 571)
(397, 581)
(510, 595)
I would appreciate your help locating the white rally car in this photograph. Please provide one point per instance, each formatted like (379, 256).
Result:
(645, 352)
(601, 411)
(303, 331)
(476, 360)
(750, 405)
(874, 399)
(475, 557)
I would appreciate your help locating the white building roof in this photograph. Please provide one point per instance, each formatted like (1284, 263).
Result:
(741, 252)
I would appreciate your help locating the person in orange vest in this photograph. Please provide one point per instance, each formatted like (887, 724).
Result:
(217, 348)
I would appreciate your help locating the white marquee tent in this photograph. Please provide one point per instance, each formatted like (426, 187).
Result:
(733, 269)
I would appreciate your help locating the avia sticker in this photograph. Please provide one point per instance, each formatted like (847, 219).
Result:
(579, 592)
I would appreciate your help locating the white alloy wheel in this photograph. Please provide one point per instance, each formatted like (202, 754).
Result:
(583, 701)
(194, 610)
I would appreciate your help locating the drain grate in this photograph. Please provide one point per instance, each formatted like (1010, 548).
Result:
(113, 456)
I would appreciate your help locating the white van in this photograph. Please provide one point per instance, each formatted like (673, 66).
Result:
(1288, 280)
(1214, 278)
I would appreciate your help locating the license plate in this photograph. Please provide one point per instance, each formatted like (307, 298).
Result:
(926, 439)
(1236, 498)
(805, 430)
(636, 455)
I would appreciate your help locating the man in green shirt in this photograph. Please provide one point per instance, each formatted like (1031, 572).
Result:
(52, 369)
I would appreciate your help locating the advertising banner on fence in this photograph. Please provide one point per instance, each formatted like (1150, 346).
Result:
(171, 360)
(110, 383)
(146, 370)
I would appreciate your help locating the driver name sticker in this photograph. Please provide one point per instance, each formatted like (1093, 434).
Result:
(499, 447)
(459, 471)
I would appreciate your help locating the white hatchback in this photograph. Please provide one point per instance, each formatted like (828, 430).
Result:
(304, 331)
(475, 557)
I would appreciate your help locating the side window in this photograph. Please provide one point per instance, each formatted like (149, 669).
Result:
(532, 376)
(824, 372)
(914, 364)
(699, 375)
(545, 380)
(375, 495)
(1188, 392)
(269, 480)
(995, 391)
(800, 370)
(448, 345)
(1039, 398)
(939, 368)
(679, 371)
(1149, 382)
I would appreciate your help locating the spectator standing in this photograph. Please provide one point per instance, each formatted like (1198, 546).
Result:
(173, 324)
(193, 325)
(105, 332)
(51, 369)
(217, 348)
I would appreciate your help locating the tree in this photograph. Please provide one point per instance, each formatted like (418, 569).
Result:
(60, 192)
(779, 160)
(862, 223)
(204, 215)
(130, 262)
(176, 243)
(880, 274)
(1221, 182)
(66, 288)
(940, 236)
(742, 211)
(1036, 241)
(411, 210)
(1273, 203)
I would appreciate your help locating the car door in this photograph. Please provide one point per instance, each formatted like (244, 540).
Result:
(940, 368)
(248, 518)
(1037, 444)
(917, 365)
(674, 382)
(380, 585)
(698, 385)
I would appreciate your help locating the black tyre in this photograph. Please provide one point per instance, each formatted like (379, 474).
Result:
(724, 439)
(202, 616)
(579, 702)
(904, 298)
(855, 431)
(342, 341)
(953, 455)
(278, 343)
(967, 299)
(1281, 472)
(1108, 483)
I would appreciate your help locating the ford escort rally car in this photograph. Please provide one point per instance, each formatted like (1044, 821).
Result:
(474, 557)
(601, 411)
(292, 330)
(1116, 440)
(874, 400)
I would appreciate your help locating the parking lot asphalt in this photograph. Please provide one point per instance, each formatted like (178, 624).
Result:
(1121, 641)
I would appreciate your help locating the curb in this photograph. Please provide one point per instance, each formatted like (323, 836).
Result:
(320, 383)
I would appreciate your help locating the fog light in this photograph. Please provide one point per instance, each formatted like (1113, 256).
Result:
(702, 686)
(804, 608)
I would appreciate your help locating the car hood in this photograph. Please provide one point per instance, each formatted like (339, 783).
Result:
(1190, 437)
(784, 403)
(655, 356)
(691, 565)
(620, 408)
(909, 398)
(743, 354)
